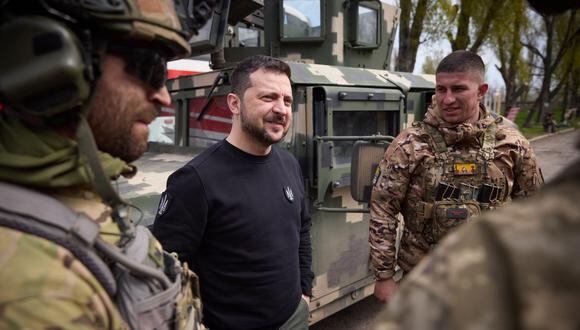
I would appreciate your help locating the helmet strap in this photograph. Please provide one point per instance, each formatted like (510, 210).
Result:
(99, 180)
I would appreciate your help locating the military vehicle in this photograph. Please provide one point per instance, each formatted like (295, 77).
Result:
(338, 52)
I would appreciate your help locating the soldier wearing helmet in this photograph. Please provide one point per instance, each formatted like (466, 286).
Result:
(80, 81)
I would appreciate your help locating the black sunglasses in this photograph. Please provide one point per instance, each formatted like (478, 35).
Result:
(143, 63)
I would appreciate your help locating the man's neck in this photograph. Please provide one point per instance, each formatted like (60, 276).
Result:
(474, 118)
(248, 145)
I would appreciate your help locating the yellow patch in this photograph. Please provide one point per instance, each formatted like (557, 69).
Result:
(465, 168)
(377, 175)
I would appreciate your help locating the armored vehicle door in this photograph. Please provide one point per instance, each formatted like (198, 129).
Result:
(342, 115)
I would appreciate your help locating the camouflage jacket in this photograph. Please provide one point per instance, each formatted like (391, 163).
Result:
(411, 170)
(45, 287)
(516, 268)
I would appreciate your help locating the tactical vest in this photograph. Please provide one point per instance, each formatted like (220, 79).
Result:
(150, 291)
(460, 184)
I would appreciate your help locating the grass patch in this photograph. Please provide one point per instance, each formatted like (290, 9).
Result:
(532, 132)
(537, 129)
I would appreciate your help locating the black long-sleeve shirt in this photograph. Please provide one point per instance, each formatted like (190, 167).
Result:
(242, 224)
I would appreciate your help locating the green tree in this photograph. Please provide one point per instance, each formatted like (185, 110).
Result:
(419, 22)
(506, 43)
(431, 63)
(472, 22)
(560, 34)
(567, 75)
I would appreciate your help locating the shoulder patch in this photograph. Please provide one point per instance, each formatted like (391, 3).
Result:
(377, 175)
(164, 204)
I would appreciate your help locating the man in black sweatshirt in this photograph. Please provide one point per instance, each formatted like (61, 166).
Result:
(237, 212)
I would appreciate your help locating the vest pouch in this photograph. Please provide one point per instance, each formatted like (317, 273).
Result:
(158, 310)
(144, 302)
(179, 306)
(449, 214)
(188, 302)
(416, 217)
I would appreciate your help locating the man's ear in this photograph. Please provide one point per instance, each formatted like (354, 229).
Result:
(482, 90)
(234, 103)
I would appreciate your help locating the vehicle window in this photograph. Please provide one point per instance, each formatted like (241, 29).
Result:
(355, 123)
(367, 25)
(248, 37)
(301, 19)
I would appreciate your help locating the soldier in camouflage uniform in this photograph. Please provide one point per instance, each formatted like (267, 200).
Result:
(70, 256)
(516, 268)
(458, 162)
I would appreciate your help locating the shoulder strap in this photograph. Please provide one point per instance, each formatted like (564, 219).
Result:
(43, 216)
(438, 140)
(489, 142)
(441, 155)
(145, 295)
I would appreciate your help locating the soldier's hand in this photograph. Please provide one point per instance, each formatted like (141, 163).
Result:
(384, 289)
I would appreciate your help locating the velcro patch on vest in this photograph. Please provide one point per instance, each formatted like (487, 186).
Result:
(465, 168)
(457, 213)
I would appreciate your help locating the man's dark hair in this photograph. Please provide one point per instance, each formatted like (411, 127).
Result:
(550, 7)
(240, 78)
(462, 61)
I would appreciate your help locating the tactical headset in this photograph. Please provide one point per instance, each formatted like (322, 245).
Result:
(52, 51)
(52, 48)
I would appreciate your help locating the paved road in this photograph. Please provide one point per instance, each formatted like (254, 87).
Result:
(554, 152)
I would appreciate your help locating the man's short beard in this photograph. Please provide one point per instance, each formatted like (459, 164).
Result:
(112, 128)
(260, 135)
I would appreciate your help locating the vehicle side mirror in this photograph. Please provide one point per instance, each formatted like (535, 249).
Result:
(211, 34)
(365, 160)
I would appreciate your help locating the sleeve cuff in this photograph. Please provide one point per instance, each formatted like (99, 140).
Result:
(384, 275)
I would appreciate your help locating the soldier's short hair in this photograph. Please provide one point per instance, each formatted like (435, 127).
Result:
(462, 61)
(240, 78)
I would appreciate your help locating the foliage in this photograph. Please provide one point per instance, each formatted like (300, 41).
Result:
(506, 42)
(435, 25)
(414, 14)
(431, 62)
(567, 74)
(560, 34)
(472, 21)
(536, 129)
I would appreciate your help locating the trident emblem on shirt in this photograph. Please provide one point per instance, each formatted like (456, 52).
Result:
(163, 204)
(289, 194)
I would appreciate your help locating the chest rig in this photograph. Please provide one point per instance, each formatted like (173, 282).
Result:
(150, 287)
(464, 182)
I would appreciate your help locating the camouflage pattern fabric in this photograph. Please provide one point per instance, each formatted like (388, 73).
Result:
(45, 287)
(517, 268)
(409, 171)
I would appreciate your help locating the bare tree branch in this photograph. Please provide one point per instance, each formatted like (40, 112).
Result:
(534, 50)
(565, 45)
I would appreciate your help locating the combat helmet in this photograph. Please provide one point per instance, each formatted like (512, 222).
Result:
(52, 56)
(55, 45)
